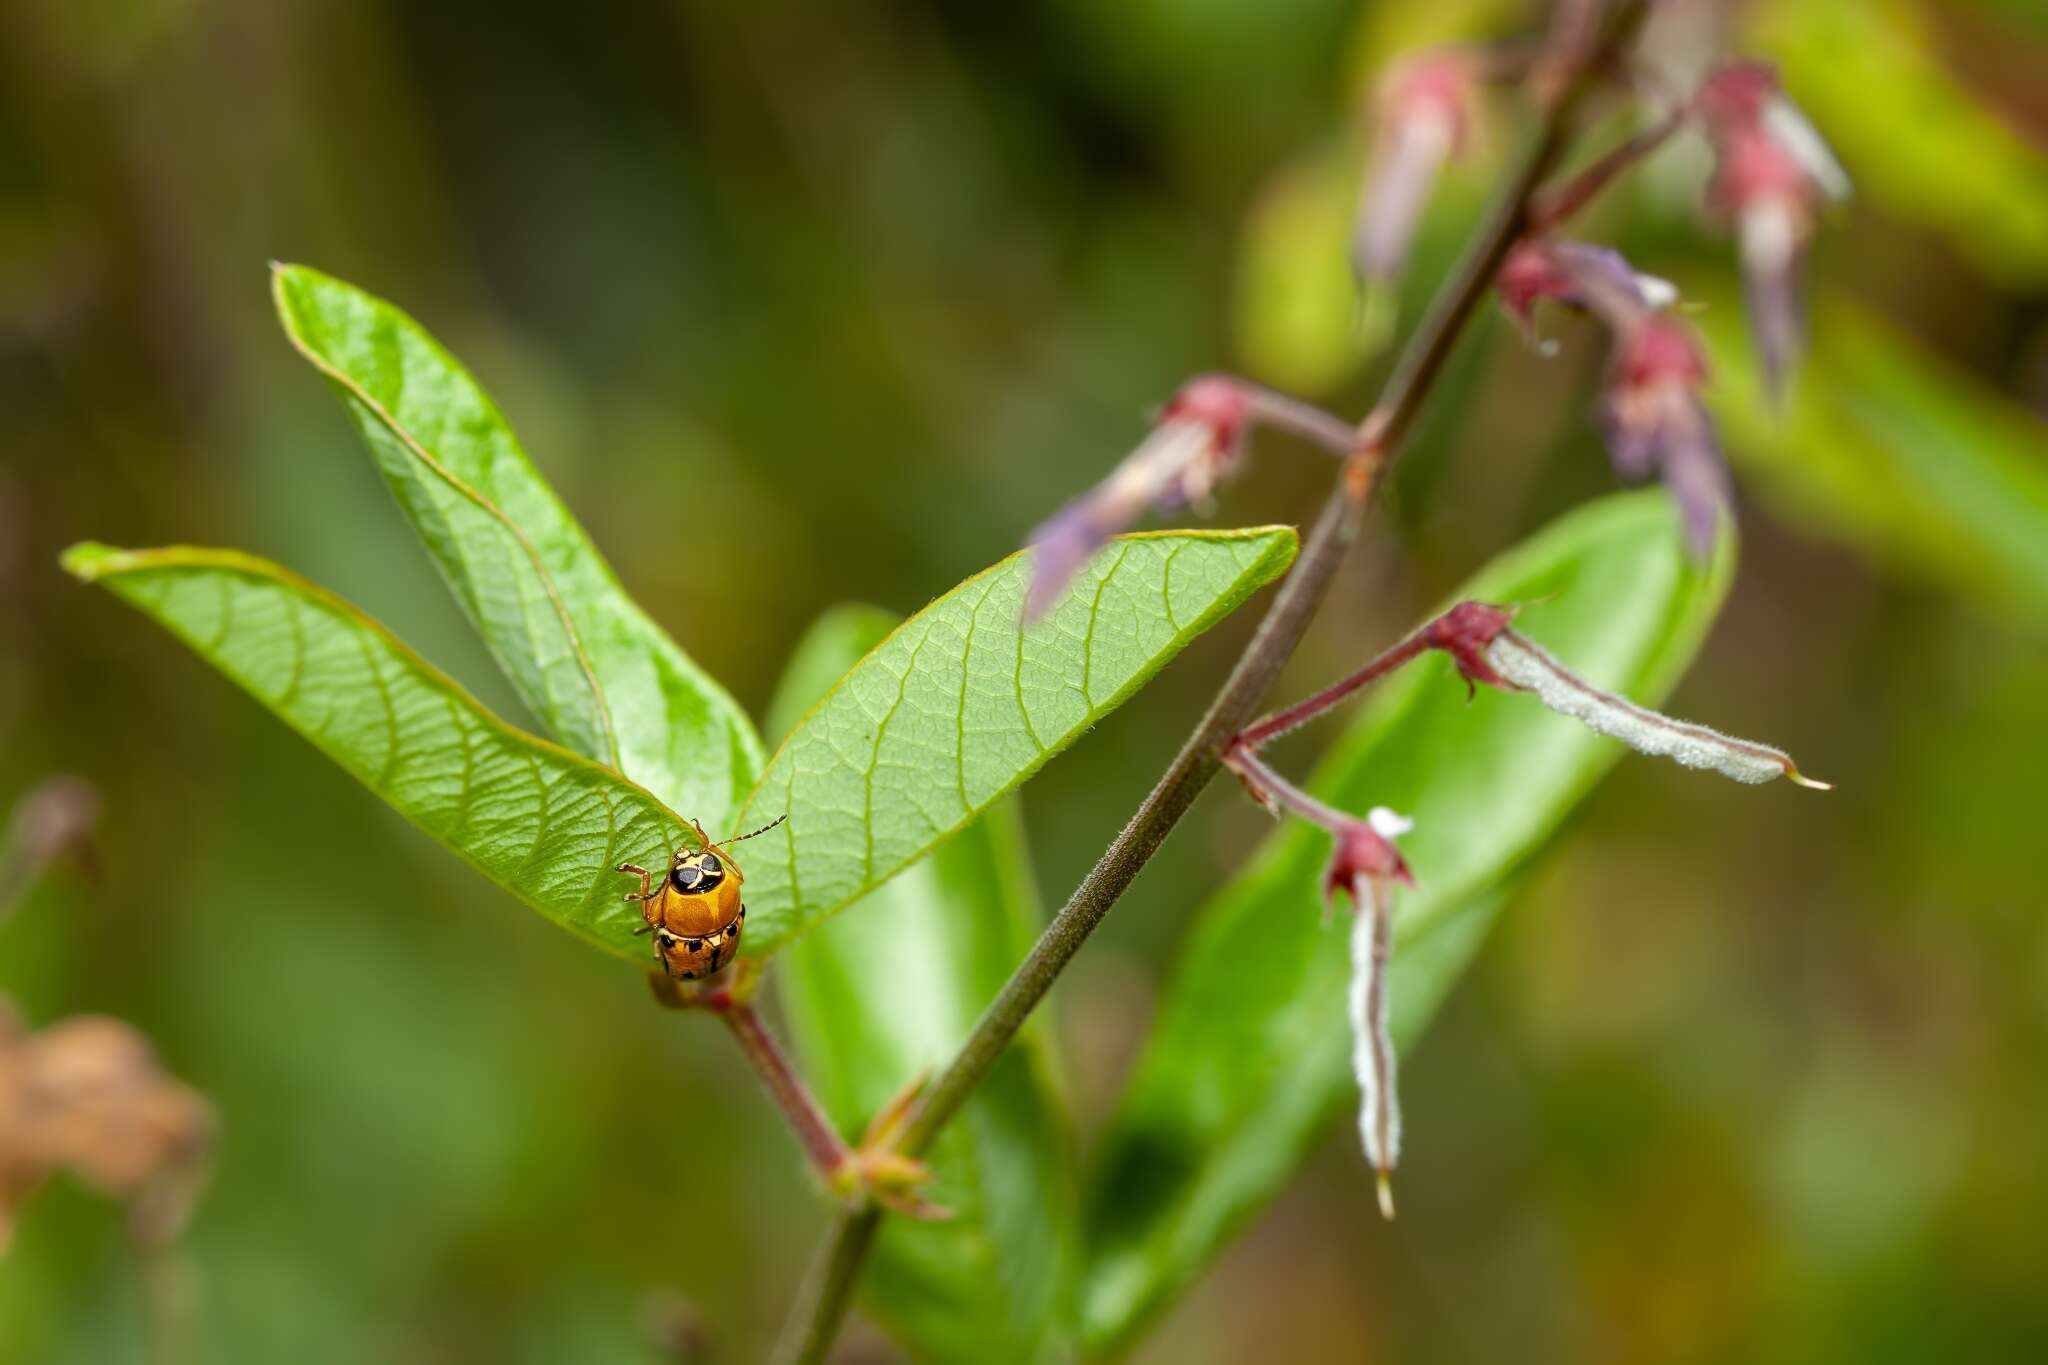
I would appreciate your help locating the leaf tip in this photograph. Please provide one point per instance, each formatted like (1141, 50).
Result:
(87, 560)
(283, 274)
(1386, 1192)
(1803, 780)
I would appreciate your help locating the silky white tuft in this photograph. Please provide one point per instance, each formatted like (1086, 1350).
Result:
(1388, 824)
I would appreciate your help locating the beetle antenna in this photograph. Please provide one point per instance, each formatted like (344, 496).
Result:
(742, 838)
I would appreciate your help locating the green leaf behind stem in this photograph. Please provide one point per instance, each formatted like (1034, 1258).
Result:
(1249, 1056)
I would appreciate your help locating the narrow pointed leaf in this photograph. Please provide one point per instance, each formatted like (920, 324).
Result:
(963, 702)
(594, 667)
(879, 995)
(1249, 1058)
(545, 824)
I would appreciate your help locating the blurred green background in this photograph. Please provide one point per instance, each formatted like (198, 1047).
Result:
(797, 303)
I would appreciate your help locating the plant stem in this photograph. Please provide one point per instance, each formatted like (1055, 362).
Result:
(1307, 709)
(1379, 440)
(821, 1141)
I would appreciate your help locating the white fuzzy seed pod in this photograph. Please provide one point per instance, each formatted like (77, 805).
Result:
(1525, 663)
(1372, 1048)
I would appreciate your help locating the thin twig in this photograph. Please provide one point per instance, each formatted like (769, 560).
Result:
(821, 1141)
(1379, 441)
(730, 997)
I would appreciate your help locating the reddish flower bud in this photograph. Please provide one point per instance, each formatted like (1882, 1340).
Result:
(1424, 118)
(1772, 174)
(1364, 848)
(1464, 632)
(1652, 412)
(1587, 279)
(1198, 442)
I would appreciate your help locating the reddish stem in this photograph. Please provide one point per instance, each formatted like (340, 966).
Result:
(1259, 732)
(1305, 420)
(1271, 789)
(821, 1141)
(1564, 200)
(1463, 632)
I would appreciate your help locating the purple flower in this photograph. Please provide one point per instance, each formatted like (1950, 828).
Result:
(1198, 442)
(1655, 422)
(1772, 175)
(1651, 409)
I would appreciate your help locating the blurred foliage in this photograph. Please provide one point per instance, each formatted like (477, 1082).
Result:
(797, 302)
(1885, 445)
(1919, 141)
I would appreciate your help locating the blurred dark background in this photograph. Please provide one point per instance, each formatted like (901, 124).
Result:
(870, 288)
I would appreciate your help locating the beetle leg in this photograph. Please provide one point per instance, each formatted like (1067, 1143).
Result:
(646, 880)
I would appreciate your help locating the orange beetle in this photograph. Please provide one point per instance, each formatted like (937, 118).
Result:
(696, 913)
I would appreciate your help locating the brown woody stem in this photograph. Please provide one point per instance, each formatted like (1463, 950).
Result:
(830, 1292)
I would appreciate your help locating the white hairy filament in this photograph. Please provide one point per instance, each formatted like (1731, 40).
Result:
(1523, 662)
(1372, 1046)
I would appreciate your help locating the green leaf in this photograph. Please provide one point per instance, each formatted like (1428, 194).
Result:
(1248, 1059)
(1889, 446)
(962, 703)
(594, 667)
(545, 824)
(1917, 140)
(876, 996)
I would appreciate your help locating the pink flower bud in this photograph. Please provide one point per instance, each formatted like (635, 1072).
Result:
(1198, 441)
(1772, 173)
(1424, 118)
(1652, 413)
(1587, 279)
(1360, 849)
